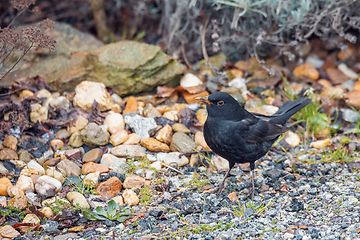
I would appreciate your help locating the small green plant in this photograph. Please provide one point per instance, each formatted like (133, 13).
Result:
(59, 205)
(146, 194)
(197, 181)
(111, 213)
(81, 187)
(240, 209)
(339, 155)
(12, 211)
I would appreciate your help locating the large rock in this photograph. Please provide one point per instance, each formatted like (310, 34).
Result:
(126, 66)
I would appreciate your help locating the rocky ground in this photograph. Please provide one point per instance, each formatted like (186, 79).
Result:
(88, 164)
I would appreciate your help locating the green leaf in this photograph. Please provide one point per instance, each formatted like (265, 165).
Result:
(91, 215)
(120, 219)
(112, 208)
(101, 211)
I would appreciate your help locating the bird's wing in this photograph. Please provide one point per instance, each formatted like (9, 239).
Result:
(261, 131)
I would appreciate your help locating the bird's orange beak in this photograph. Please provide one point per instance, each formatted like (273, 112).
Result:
(204, 100)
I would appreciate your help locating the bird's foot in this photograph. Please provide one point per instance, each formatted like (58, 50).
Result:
(219, 189)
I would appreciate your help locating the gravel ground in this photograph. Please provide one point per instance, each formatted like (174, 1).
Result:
(317, 201)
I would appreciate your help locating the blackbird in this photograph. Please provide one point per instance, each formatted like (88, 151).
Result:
(240, 136)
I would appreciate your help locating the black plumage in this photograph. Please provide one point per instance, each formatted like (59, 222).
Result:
(240, 136)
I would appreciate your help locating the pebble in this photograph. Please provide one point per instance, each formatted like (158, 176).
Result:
(31, 218)
(78, 200)
(336, 76)
(25, 184)
(119, 200)
(91, 167)
(114, 121)
(69, 167)
(43, 93)
(57, 144)
(347, 71)
(128, 151)
(156, 165)
(171, 115)
(174, 159)
(220, 164)
(110, 187)
(130, 197)
(47, 186)
(353, 98)
(154, 145)
(190, 80)
(52, 172)
(150, 111)
(8, 231)
(292, 139)
(165, 134)
(192, 98)
(76, 140)
(80, 123)
(133, 181)
(201, 115)
(8, 154)
(320, 143)
(92, 179)
(306, 70)
(92, 156)
(48, 212)
(38, 113)
(20, 201)
(239, 83)
(133, 139)
(4, 183)
(200, 141)
(178, 127)
(182, 143)
(118, 137)
(141, 125)
(36, 166)
(350, 115)
(87, 92)
(94, 136)
(10, 142)
(115, 163)
(131, 105)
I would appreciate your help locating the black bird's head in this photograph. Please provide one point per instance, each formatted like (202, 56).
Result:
(223, 105)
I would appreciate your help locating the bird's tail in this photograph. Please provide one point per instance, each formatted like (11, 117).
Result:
(288, 109)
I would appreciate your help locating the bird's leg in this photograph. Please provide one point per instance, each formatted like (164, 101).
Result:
(219, 190)
(252, 191)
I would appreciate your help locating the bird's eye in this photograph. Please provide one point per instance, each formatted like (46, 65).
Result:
(220, 103)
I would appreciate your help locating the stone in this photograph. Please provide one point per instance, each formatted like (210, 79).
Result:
(165, 134)
(52, 172)
(357, 86)
(57, 102)
(29, 172)
(69, 167)
(178, 127)
(119, 200)
(220, 164)
(36, 166)
(43, 93)
(94, 136)
(182, 143)
(78, 200)
(351, 74)
(156, 165)
(8, 154)
(350, 115)
(200, 141)
(57, 144)
(306, 70)
(76, 140)
(14, 191)
(24, 156)
(150, 111)
(88, 91)
(19, 201)
(8, 231)
(201, 115)
(4, 183)
(92, 156)
(133, 139)
(80, 123)
(47, 186)
(352, 97)
(154, 145)
(130, 197)
(174, 159)
(190, 80)
(38, 113)
(336, 92)
(195, 160)
(92, 179)
(292, 139)
(25, 184)
(118, 137)
(336, 76)
(48, 212)
(10, 142)
(31, 218)
(110, 187)
(131, 105)
(192, 98)
(128, 151)
(133, 181)
(114, 121)
(74, 154)
(239, 83)
(325, 83)
(115, 163)
(91, 167)
(3, 169)
(348, 52)
(232, 196)
(171, 115)
(321, 143)
(141, 125)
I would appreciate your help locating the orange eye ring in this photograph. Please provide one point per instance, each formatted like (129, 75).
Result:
(220, 103)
